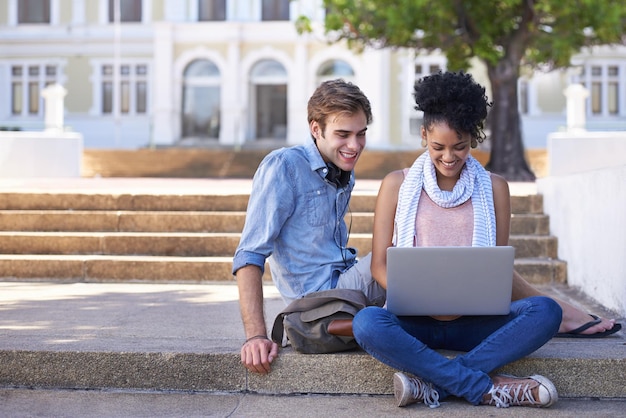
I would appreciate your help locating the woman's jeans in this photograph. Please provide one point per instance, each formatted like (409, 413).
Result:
(408, 343)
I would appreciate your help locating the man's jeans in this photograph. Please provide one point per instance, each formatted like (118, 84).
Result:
(489, 342)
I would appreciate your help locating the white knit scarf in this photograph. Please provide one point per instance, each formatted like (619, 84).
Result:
(474, 183)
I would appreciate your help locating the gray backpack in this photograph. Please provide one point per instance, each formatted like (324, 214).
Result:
(305, 320)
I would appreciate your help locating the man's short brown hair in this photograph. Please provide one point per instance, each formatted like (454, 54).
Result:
(337, 96)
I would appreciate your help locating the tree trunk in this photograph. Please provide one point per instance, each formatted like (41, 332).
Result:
(507, 149)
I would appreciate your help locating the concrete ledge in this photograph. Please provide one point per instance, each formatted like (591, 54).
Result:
(90, 370)
(227, 163)
(40, 154)
(578, 369)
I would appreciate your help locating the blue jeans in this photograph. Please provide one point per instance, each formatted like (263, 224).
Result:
(408, 343)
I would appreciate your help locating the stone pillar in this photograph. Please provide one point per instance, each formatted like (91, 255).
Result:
(54, 96)
(576, 95)
(165, 112)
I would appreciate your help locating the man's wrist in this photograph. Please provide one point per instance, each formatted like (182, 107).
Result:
(257, 337)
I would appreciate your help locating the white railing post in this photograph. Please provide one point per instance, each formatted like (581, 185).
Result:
(576, 95)
(54, 96)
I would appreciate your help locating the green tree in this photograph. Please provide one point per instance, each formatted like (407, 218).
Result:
(505, 35)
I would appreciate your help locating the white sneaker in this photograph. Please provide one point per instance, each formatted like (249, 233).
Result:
(508, 391)
(408, 390)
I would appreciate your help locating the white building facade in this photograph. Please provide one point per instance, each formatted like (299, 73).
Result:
(235, 73)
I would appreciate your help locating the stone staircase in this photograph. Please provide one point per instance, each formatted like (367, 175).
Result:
(187, 238)
(156, 307)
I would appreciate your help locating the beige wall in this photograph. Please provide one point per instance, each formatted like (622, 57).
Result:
(247, 48)
(551, 98)
(65, 12)
(91, 12)
(181, 48)
(158, 10)
(4, 12)
(79, 89)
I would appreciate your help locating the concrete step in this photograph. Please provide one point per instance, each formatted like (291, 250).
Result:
(526, 246)
(530, 224)
(542, 271)
(121, 221)
(187, 337)
(362, 201)
(208, 244)
(107, 200)
(531, 246)
(119, 268)
(189, 221)
(111, 268)
(192, 244)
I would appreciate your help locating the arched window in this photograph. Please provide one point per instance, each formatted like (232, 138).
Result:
(268, 94)
(201, 100)
(268, 70)
(335, 69)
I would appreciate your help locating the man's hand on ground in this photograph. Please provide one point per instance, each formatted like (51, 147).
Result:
(257, 354)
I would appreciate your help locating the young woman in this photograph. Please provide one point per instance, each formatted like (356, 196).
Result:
(448, 199)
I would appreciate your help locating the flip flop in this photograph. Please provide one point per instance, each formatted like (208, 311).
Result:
(577, 333)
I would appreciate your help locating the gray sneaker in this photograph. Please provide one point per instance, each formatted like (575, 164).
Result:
(536, 390)
(408, 390)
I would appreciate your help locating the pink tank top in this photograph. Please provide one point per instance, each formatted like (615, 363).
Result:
(437, 226)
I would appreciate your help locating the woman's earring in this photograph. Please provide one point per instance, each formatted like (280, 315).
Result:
(424, 143)
(473, 143)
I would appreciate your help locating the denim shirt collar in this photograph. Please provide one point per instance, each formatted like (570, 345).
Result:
(317, 163)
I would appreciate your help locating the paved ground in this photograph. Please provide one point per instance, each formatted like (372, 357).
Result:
(65, 403)
(149, 317)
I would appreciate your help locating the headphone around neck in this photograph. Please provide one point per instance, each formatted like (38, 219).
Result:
(337, 176)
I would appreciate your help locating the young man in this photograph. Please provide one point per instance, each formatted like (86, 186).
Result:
(296, 211)
(296, 214)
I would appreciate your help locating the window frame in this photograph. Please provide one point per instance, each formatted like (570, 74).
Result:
(212, 10)
(22, 14)
(26, 87)
(126, 93)
(605, 80)
(138, 10)
(275, 10)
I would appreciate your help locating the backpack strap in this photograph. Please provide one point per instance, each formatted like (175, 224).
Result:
(278, 330)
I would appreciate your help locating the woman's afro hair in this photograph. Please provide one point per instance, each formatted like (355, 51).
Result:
(453, 98)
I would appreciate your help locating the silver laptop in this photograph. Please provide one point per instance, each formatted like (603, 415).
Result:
(449, 280)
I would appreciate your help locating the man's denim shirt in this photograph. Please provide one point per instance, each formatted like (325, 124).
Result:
(297, 217)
